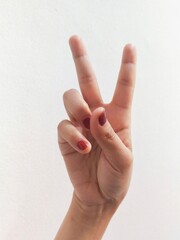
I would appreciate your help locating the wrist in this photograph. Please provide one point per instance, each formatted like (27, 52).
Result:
(92, 218)
(86, 221)
(93, 212)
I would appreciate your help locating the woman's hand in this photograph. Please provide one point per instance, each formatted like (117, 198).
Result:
(96, 142)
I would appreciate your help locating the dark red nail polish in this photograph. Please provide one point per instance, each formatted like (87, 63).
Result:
(102, 118)
(82, 145)
(86, 122)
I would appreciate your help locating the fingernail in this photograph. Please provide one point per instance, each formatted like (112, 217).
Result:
(86, 122)
(82, 145)
(102, 118)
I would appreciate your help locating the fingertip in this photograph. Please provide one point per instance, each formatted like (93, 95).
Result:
(130, 46)
(86, 123)
(77, 46)
(84, 147)
(73, 39)
(88, 149)
(129, 53)
(102, 118)
(98, 111)
(98, 118)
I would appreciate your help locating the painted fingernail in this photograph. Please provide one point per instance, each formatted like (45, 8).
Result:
(102, 118)
(86, 122)
(82, 145)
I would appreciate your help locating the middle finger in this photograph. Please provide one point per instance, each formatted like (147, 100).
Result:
(87, 79)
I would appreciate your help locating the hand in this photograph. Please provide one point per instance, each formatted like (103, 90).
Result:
(96, 141)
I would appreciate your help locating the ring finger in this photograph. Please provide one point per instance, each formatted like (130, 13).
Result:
(77, 108)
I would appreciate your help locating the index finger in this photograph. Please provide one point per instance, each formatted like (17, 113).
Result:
(86, 77)
(126, 80)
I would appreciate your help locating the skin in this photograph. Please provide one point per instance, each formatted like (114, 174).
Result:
(100, 173)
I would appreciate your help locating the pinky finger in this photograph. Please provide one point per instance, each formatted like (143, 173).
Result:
(71, 140)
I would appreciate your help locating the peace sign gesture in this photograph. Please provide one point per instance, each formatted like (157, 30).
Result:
(96, 140)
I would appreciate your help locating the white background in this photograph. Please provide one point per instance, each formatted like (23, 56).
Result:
(36, 67)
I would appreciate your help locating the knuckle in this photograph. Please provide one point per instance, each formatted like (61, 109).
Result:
(128, 143)
(128, 76)
(82, 109)
(109, 135)
(69, 93)
(127, 163)
(71, 136)
(61, 125)
(126, 82)
(87, 78)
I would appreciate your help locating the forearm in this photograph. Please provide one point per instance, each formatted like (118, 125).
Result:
(85, 222)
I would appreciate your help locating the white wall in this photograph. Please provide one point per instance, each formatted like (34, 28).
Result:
(36, 68)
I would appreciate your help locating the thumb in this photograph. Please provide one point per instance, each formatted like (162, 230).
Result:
(117, 154)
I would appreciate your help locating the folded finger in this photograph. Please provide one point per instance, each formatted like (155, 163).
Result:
(70, 139)
(111, 144)
(77, 108)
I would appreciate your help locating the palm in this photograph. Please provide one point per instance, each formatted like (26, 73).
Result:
(93, 175)
(87, 171)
